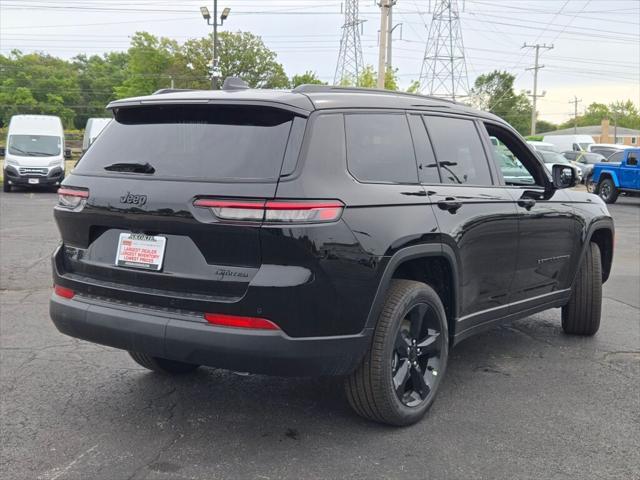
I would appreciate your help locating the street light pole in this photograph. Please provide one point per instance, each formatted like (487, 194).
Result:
(214, 51)
(214, 60)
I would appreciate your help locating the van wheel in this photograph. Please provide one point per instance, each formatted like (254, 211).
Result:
(581, 316)
(6, 186)
(162, 365)
(608, 191)
(399, 376)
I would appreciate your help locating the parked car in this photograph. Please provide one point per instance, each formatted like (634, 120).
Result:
(543, 146)
(615, 177)
(606, 149)
(569, 142)
(318, 231)
(92, 130)
(553, 158)
(584, 161)
(35, 152)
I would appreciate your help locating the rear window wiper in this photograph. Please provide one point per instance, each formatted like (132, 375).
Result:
(131, 167)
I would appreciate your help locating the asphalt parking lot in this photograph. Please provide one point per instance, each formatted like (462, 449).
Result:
(522, 401)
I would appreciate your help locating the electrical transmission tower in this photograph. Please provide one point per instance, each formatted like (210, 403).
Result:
(444, 70)
(350, 62)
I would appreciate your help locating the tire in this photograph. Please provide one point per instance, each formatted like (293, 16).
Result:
(608, 190)
(581, 316)
(6, 186)
(162, 365)
(371, 390)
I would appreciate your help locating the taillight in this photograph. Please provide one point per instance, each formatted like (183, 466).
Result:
(240, 322)
(274, 211)
(63, 291)
(72, 199)
(234, 210)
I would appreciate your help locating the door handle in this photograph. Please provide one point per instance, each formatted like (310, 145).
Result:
(450, 204)
(527, 203)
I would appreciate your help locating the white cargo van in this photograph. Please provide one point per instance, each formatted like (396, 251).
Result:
(92, 130)
(569, 142)
(34, 153)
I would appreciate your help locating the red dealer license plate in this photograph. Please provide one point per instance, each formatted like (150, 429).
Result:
(140, 251)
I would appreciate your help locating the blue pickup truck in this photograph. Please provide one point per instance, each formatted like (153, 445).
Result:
(612, 178)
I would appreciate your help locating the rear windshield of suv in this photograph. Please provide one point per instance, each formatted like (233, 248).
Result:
(200, 142)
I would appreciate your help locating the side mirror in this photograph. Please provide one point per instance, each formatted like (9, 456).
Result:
(564, 176)
(67, 153)
(2, 153)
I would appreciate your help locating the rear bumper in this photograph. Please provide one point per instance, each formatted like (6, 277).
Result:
(190, 339)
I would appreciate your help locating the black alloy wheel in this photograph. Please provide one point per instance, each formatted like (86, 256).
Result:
(400, 375)
(417, 355)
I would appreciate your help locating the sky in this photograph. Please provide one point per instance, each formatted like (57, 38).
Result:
(595, 55)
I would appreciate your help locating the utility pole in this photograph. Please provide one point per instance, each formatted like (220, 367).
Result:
(391, 28)
(390, 38)
(575, 102)
(385, 7)
(535, 69)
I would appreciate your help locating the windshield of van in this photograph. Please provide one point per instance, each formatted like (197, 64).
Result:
(198, 142)
(34, 145)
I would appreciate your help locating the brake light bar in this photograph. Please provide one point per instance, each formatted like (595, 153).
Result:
(240, 322)
(274, 211)
(71, 198)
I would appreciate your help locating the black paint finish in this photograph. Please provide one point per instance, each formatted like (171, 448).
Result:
(509, 251)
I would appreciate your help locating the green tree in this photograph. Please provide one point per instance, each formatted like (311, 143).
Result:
(307, 78)
(98, 77)
(414, 87)
(240, 54)
(493, 92)
(624, 113)
(543, 126)
(38, 83)
(151, 60)
(368, 78)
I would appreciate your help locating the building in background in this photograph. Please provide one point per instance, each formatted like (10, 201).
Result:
(604, 133)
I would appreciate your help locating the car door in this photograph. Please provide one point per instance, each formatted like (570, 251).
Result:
(475, 219)
(630, 172)
(548, 228)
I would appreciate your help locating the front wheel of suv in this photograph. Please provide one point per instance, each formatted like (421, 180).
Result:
(162, 365)
(6, 186)
(581, 316)
(400, 374)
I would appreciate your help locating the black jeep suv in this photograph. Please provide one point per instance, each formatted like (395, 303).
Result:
(319, 231)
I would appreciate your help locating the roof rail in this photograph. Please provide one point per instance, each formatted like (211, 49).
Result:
(171, 90)
(310, 88)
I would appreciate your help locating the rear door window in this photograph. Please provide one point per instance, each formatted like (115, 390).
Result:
(200, 142)
(459, 150)
(379, 148)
